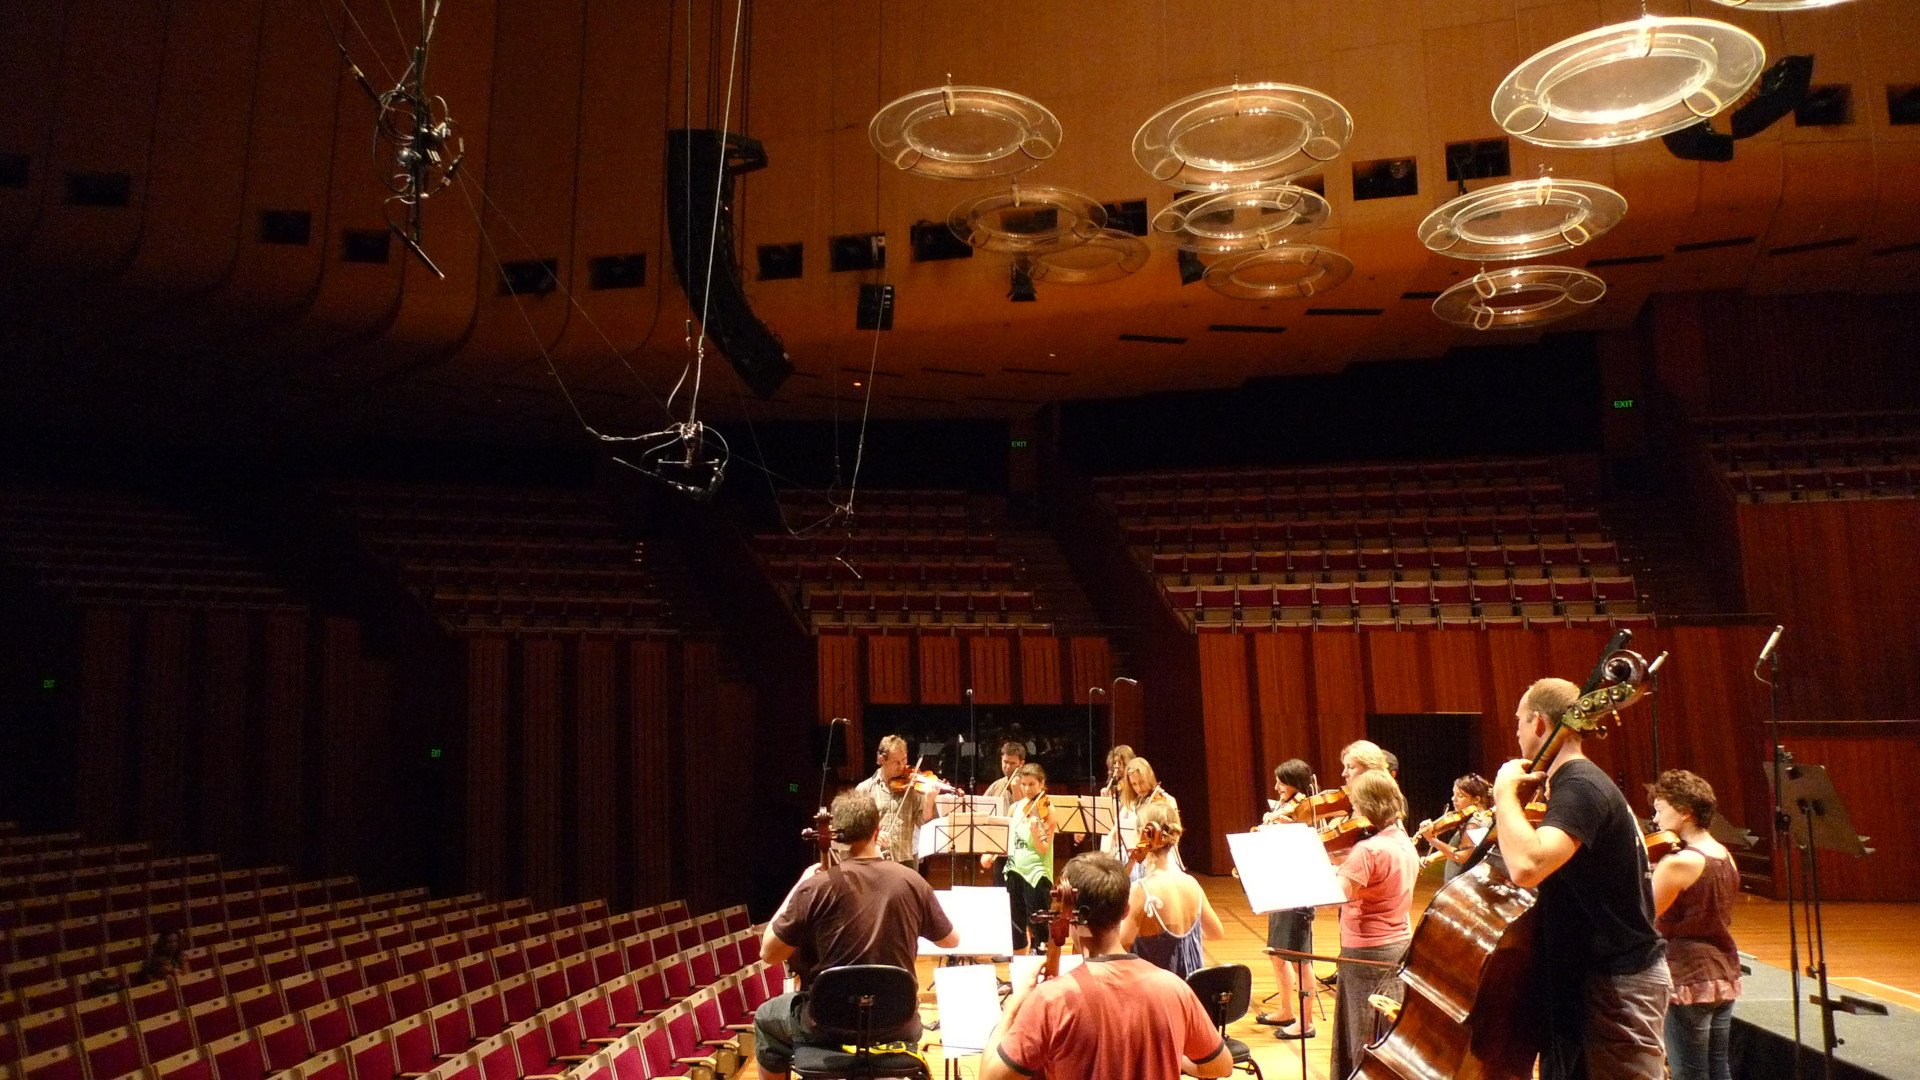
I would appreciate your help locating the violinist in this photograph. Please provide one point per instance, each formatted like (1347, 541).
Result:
(903, 805)
(1377, 879)
(1029, 870)
(1607, 975)
(1166, 897)
(1453, 836)
(1115, 1016)
(1292, 929)
(1140, 790)
(865, 910)
(1116, 789)
(1363, 756)
(1013, 754)
(1694, 889)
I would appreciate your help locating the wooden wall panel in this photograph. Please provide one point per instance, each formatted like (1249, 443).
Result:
(1339, 697)
(650, 836)
(29, 68)
(1839, 577)
(1039, 670)
(1090, 663)
(165, 678)
(1398, 677)
(889, 670)
(1452, 671)
(1867, 768)
(701, 740)
(1230, 800)
(486, 804)
(940, 676)
(840, 680)
(990, 670)
(345, 796)
(106, 700)
(1283, 689)
(542, 736)
(283, 734)
(227, 796)
(595, 770)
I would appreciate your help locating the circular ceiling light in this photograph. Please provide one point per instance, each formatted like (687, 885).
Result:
(1779, 5)
(1518, 296)
(964, 133)
(1242, 219)
(1108, 255)
(1027, 220)
(1522, 219)
(1235, 135)
(1287, 272)
(1628, 82)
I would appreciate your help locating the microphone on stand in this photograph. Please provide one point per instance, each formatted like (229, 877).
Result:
(1766, 651)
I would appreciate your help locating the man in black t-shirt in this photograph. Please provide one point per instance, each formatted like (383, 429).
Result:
(1609, 983)
(865, 910)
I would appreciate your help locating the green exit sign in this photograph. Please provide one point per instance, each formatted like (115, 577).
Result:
(1623, 403)
(1018, 444)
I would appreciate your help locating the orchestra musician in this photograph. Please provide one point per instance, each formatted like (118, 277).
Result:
(1116, 1016)
(867, 909)
(1165, 897)
(1291, 929)
(903, 805)
(1116, 789)
(1694, 890)
(1375, 925)
(1013, 754)
(1141, 789)
(1606, 966)
(1362, 756)
(1454, 836)
(1029, 869)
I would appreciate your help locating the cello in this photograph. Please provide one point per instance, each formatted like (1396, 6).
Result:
(1472, 1009)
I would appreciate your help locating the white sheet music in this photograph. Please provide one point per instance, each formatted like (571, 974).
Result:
(1284, 866)
(969, 1002)
(983, 917)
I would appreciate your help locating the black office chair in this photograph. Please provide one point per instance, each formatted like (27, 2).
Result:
(847, 1006)
(1226, 992)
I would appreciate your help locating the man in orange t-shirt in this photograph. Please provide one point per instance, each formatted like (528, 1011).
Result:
(1116, 1016)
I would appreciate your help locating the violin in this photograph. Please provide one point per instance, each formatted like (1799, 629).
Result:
(1344, 836)
(1040, 807)
(922, 781)
(1325, 804)
(1445, 823)
(1662, 843)
(1060, 918)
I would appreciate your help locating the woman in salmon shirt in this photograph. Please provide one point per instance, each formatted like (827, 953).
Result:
(1377, 878)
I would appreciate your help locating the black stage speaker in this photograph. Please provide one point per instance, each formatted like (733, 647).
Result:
(876, 307)
(1781, 87)
(696, 182)
(1699, 143)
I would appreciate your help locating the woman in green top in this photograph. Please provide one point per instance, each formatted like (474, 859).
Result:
(1029, 868)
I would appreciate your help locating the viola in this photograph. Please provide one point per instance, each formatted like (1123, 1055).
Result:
(1473, 1007)
(1325, 804)
(1060, 918)
(1151, 838)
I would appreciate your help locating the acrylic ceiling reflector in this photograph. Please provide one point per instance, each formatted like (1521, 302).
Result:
(1628, 82)
(1522, 219)
(1027, 220)
(1234, 135)
(1518, 296)
(964, 133)
(1108, 255)
(1780, 5)
(1287, 272)
(1242, 219)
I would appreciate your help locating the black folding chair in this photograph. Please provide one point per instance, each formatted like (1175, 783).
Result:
(1226, 992)
(846, 1008)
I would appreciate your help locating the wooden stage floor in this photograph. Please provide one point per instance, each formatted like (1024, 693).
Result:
(1871, 948)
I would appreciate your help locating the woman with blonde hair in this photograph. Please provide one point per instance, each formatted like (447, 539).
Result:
(1362, 756)
(1141, 790)
(1165, 897)
(1377, 878)
(1118, 789)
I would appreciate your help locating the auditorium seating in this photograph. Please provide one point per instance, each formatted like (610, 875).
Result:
(904, 559)
(1815, 457)
(510, 557)
(470, 988)
(106, 547)
(1411, 544)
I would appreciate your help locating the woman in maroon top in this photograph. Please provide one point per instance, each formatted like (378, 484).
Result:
(1693, 894)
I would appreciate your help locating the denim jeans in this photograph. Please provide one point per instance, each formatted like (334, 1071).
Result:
(1697, 1041)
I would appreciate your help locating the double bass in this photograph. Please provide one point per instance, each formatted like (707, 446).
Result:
(1472, 1008)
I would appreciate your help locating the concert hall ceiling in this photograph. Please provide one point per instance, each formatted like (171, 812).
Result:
(193, 203)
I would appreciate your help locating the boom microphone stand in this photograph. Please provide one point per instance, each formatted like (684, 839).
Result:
(1782, 824)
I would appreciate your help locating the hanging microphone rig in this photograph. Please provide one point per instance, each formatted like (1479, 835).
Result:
(416, 145)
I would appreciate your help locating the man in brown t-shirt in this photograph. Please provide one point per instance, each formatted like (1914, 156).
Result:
(865, 910)
(1116, 1016)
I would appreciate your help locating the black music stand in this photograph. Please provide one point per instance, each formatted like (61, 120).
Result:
(1818, 819)
(1083, 815)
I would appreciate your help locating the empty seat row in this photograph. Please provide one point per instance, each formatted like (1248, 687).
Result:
(1347, 623)
(1584, 596)
(913, 572)
(462, 550)
(827, 624)
(1334, 477)
(885, 606)
(96, 898)
(476, 500)
(91, 931)
(890, 545)
(32, 853)
(878, 517)
(533, 580)
(1729, 429)
(1812, 485)
(1577, 526)
(551, 609)
(426, 521)
(1334, 504)
(1819, 453)
(1487, 562)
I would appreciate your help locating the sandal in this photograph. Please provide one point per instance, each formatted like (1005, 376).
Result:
(1271, 1020)
(1281, 1032)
